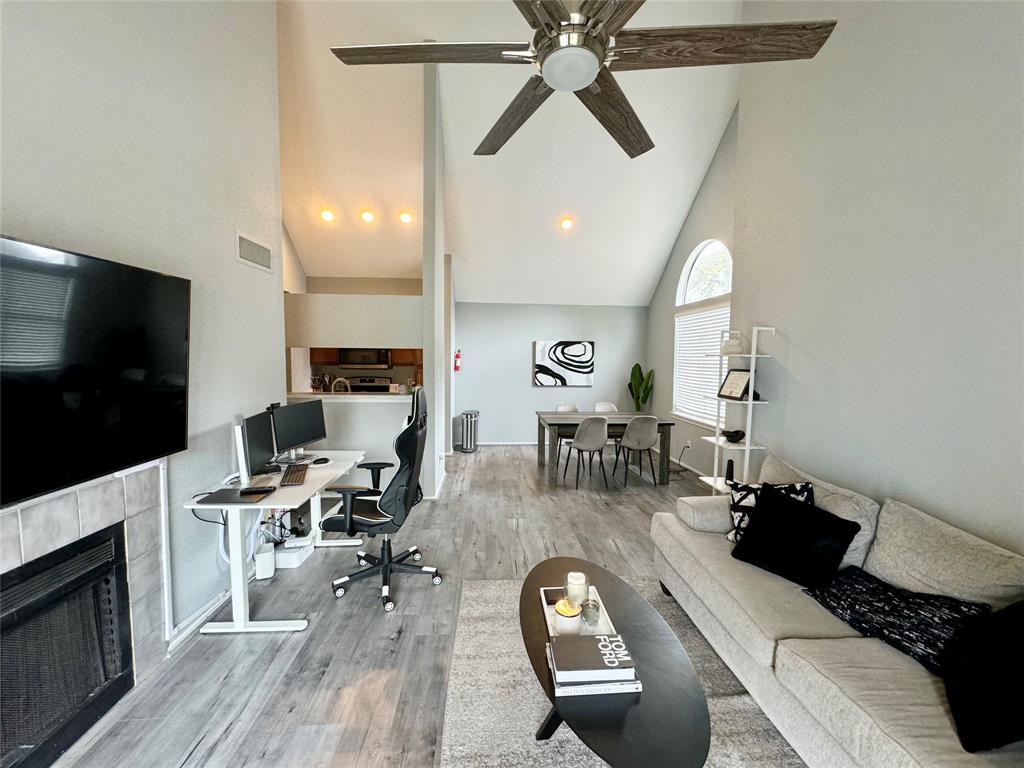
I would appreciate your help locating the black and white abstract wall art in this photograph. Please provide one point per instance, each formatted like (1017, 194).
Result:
(563, 363)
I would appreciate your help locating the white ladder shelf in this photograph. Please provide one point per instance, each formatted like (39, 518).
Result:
(723, 446)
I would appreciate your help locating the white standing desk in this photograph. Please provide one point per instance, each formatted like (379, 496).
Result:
(318, 477)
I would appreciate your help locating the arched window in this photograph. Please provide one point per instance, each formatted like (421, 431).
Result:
(702, 313)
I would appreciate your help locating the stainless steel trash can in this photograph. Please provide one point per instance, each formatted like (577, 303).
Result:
(469, 420)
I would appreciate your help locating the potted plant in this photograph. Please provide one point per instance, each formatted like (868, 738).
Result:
(640, 387)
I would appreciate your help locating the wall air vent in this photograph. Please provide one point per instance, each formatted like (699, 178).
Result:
(255, 255)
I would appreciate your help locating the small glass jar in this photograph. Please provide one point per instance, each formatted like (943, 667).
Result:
(591, 612)
(577, 588)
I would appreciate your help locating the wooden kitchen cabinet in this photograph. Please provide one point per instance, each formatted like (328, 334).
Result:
(323, 356)
(406, 357)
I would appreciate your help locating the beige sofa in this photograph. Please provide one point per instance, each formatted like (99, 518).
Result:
(839, 698)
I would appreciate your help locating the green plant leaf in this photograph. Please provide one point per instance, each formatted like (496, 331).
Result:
(640, 386)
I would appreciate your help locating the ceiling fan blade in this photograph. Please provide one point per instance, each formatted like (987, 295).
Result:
(609, 105)
(660, 47)
(431, 53)
(613, 15)
(526, 102)
(543, 14)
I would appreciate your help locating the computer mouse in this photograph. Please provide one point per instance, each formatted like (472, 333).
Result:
(321, 460)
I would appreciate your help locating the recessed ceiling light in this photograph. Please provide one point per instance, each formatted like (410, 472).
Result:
(566, 223)
(326, 215)
(405, 217)
(366, 216)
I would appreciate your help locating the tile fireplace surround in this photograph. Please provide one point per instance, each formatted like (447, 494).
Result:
(133, 496)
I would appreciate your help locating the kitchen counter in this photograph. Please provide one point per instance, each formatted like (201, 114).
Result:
(351, 397)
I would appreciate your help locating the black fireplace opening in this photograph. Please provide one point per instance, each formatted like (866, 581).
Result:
(65, 646)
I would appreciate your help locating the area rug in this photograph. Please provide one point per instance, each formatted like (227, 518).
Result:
(494, 703)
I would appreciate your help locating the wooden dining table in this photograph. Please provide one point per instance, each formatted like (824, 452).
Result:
(554, 424)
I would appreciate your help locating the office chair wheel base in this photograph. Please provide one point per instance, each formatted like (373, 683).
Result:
(417, 557)
(436, 579)
(339, 592)
(389, 605)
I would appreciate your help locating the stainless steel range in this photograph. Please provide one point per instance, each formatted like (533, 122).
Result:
(370, 383)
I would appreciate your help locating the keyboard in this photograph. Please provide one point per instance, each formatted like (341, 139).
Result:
(294, 474)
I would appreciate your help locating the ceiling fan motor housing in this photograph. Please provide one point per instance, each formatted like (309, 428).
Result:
(570, 60)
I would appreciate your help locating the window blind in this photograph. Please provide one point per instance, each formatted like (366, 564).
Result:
(696, 374)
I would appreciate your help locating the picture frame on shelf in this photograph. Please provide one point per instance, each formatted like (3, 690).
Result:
(735, 385)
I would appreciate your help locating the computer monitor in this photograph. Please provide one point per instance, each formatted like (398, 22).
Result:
(258, 439)
(299, 424)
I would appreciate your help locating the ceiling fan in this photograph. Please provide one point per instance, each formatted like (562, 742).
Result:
(578, 51)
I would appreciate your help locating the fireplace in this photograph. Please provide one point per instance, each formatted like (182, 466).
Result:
(66, 646)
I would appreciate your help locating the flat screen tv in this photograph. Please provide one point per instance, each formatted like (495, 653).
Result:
(93, 368)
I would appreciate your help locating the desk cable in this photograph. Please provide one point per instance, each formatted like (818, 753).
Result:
(250, 536)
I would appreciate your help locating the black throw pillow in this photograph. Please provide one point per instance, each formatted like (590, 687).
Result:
(743, 498)
(795, 540)
(918, 624)
(985, 678)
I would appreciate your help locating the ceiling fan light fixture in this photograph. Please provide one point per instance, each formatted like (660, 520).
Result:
(570, 69)
(577, 47)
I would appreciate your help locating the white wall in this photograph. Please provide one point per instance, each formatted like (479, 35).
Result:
(297, 368)
(294, 276)
(710, 217)
(146, 133)
(433, 272)
(497, 361)
(336, 320)
(368, 425)
(879, 227)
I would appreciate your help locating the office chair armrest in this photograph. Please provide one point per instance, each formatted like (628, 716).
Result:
(349, 493)
(375, 468)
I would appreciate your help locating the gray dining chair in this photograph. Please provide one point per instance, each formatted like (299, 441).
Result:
(640, 435)
(606, 407)
(590, 438)
(564, 408)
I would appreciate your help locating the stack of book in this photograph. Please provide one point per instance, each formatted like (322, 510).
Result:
(585, 665)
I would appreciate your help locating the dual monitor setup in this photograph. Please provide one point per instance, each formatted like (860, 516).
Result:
(275, 436)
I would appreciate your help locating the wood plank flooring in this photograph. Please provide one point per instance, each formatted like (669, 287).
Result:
(360, 687)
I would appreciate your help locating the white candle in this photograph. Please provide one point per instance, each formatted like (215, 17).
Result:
(576, 588)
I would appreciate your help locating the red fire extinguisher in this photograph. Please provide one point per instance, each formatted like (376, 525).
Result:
(458, 360)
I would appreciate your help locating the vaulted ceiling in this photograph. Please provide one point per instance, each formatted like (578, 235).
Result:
(351, 140)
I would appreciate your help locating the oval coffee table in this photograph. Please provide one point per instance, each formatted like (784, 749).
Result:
(668, 723)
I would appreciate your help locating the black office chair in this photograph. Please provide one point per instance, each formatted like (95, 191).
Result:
(369, 511)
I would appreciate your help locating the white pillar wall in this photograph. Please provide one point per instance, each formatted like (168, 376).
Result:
(434, 355)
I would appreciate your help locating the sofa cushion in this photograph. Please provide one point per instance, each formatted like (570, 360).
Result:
(756, 607)
(916, 551)
(885, 709)
(705, 513)
(839, 501)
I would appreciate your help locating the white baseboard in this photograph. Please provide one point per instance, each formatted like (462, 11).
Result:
(678, 463)
(440, 487)
(190, 625)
